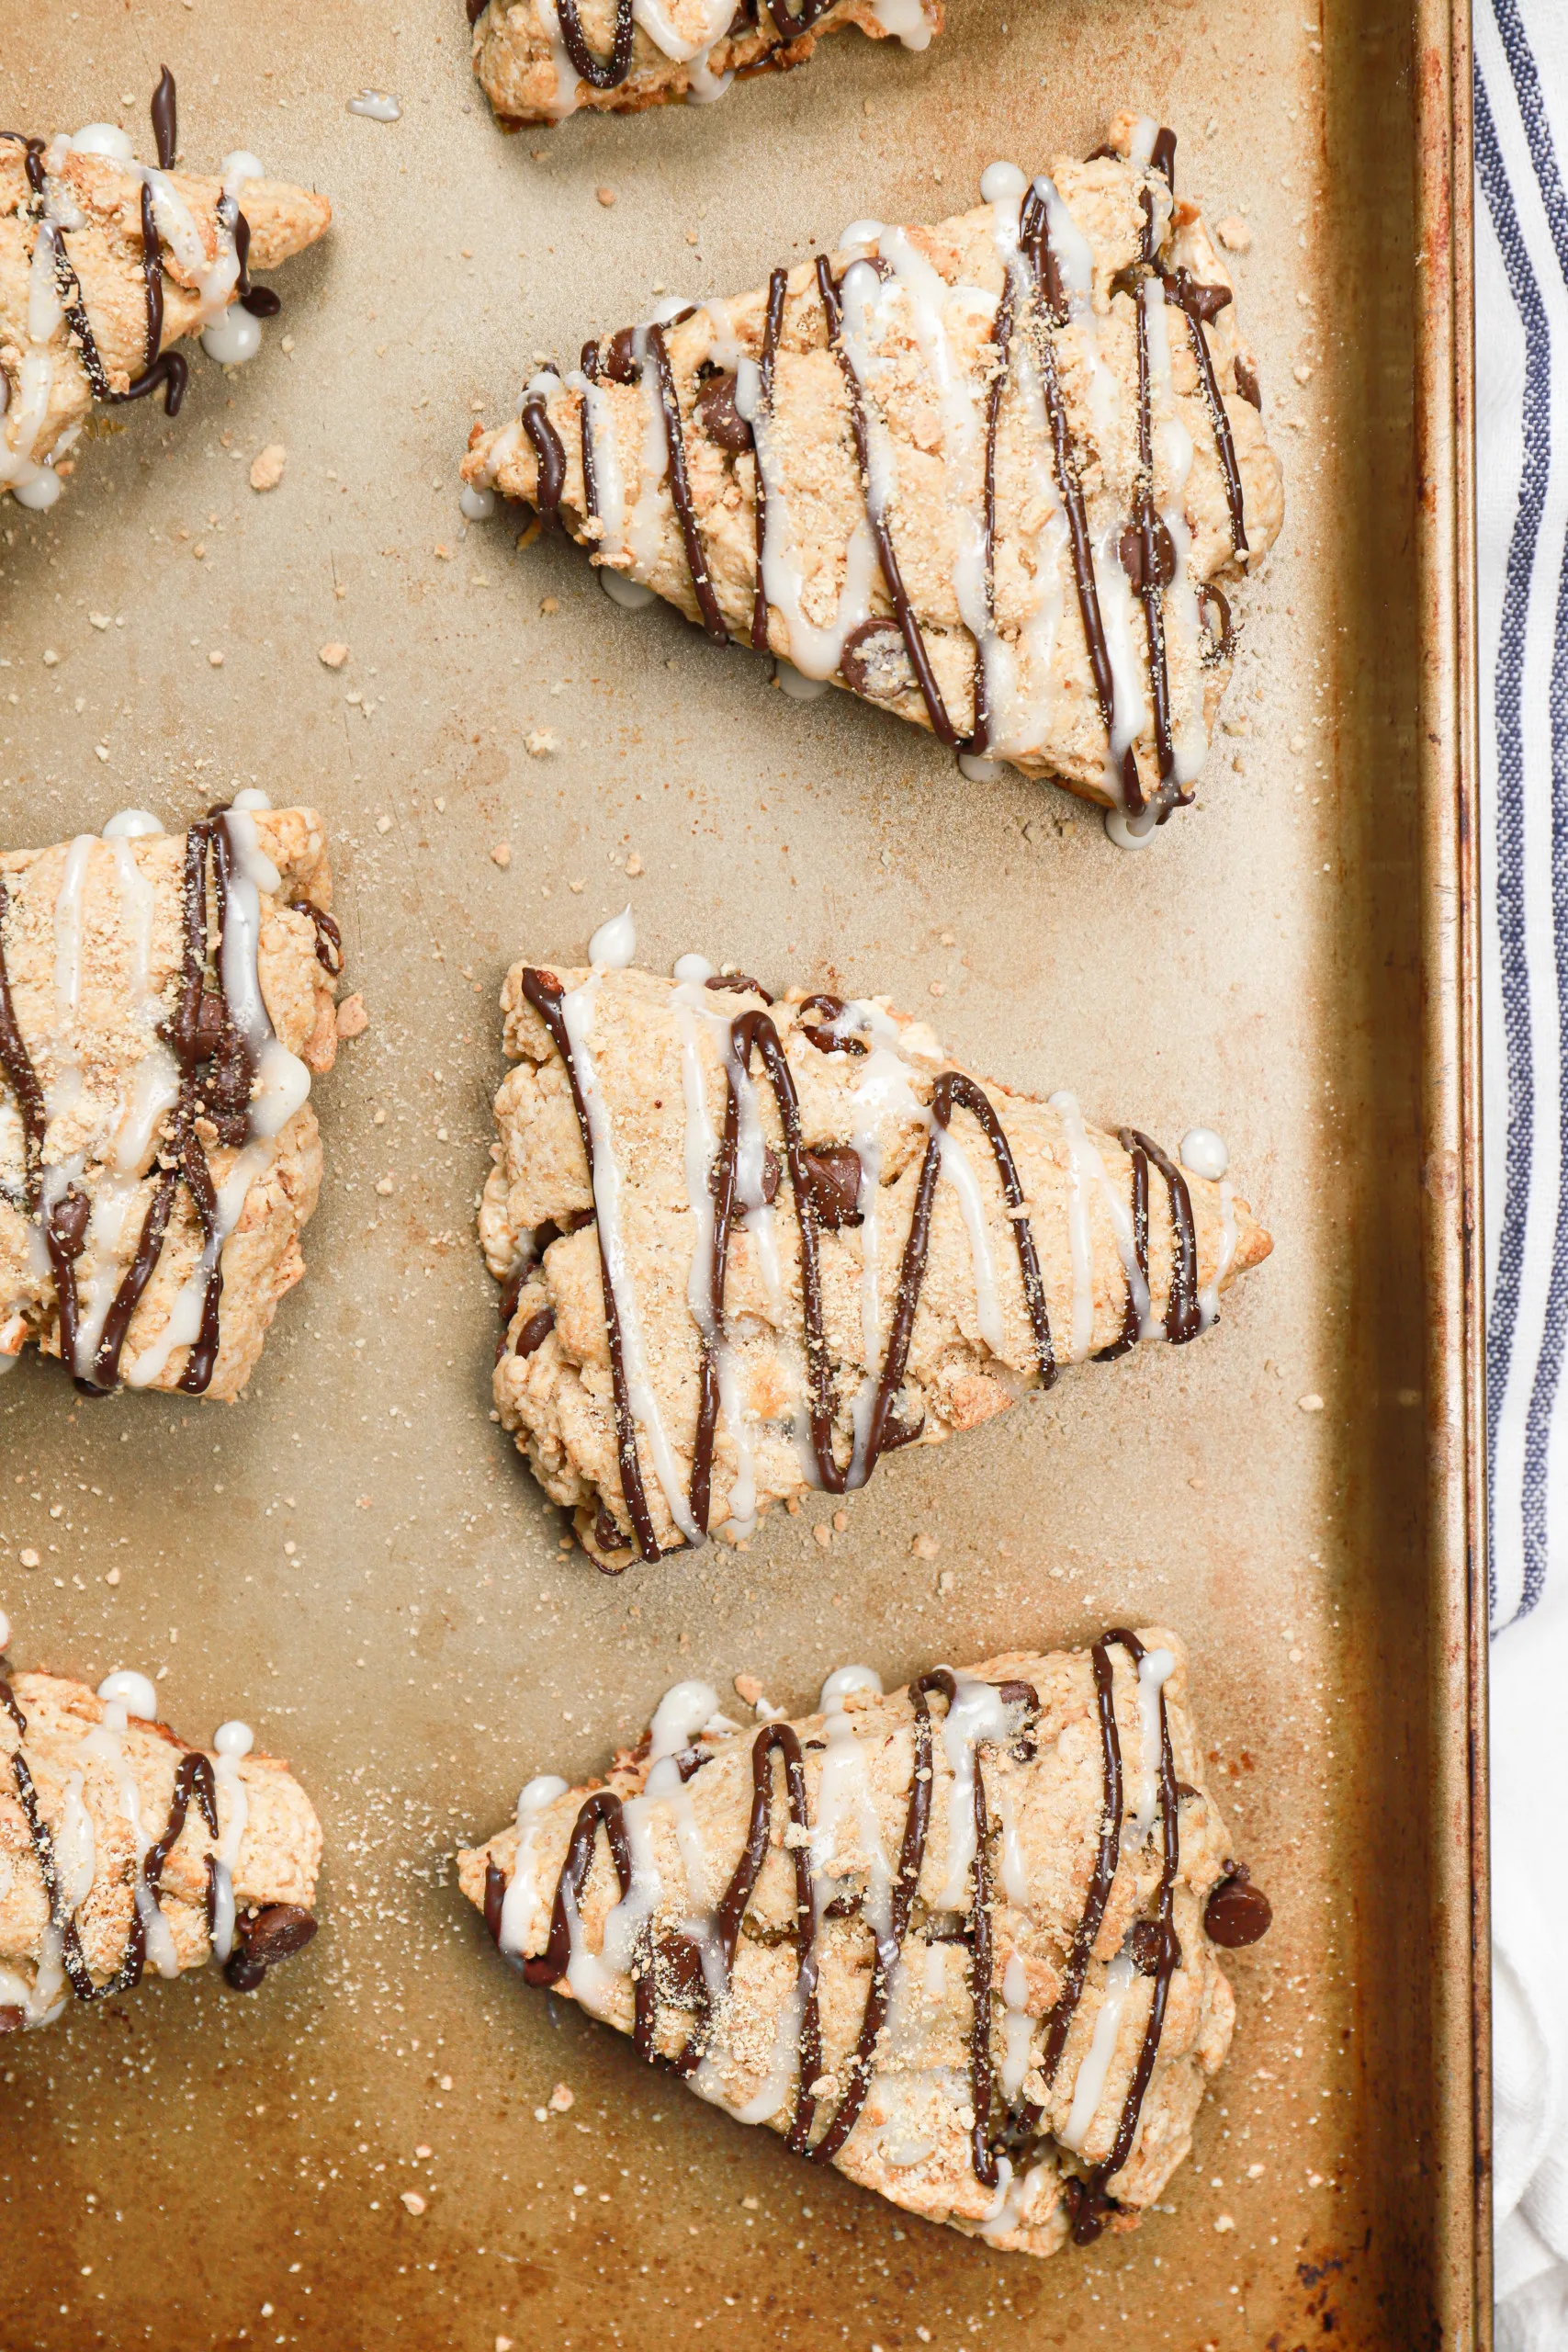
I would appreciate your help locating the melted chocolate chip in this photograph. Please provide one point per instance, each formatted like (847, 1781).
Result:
(739, 984)
(12, 2018)
(606, 1534)
(875, 662)
(832, 1176)
(1238, 1912)
(720, 417)
(1155, 1947)
(278, 1931)
(1129, 552)
(535, 1331)
(618, 358)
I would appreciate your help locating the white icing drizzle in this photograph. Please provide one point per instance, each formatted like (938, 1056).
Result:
(1014, 1869)
(614, 944)
(793, 683)
(693, 970)
(185, 1316)
(1082, 1159)
(377, 106)
(284, 1081)
(815, 651)
(576, 1008)
(977, 1713)
(126, 1694)
(232, 1743)
(960, 1174)
(843, 1789)
(477, 506)
(522, 1892)
(1155, 1669)
(685, 1710)
(644, 526)
(565, 100)
(1089, 2084)
(1209, 1297)
(1172, 445)
(131, 825)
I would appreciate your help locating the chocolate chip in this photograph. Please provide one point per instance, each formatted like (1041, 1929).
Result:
(210, 1019)
(832, 1183)
(1130, 552)
(739, 984)
(606, 1534)
(68, 1220)
(1237, 1912)
(272, 1934)
(1246, 383)
(619, 359)
(260, 302)
(535, 1331)
(678, 1967)
(875, 662)
(1153, 1946)
(720, 417)
(278, 1930)
(12, 2018)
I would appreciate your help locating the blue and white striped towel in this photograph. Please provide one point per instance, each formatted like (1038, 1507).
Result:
(1521, 154)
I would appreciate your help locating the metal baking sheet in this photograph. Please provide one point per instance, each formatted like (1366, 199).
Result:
(353, 1556)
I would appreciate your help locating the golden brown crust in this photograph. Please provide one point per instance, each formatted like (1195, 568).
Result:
(276, 1861)
(95, 205)
(558, 1397)
(96, 1066)
(1047, 709)
(514, 61)
(1045, 1810)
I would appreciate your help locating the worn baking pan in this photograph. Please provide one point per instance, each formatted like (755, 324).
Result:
(354, 1557)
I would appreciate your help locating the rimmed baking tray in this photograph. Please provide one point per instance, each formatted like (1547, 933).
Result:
(352, 1556)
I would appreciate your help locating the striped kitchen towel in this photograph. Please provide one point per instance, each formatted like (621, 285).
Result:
(1521, 156)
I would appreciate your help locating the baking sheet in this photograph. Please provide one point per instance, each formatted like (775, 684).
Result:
(355, 1559)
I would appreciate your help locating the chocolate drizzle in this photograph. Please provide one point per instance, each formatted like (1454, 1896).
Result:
(546, 443)
(1031, 304)
(821, 1185)
(942, 726)
(193, 1779)
(693, 1969)
(215, 1087)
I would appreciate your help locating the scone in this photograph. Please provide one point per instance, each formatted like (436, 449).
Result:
(751, 1246)
(962, 1945)
(106, 264)
(121, 1849)
(999, 476)
(538, 60)
(164, 1003)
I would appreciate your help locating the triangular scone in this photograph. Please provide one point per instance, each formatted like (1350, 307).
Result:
(1005, 466)
(682, 1347)
(106, 264)
(538, 60)
(122, 1851)
(958, 1940)
(164, 1001)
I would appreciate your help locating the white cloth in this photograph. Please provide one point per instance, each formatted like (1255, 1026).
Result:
(1521, 136)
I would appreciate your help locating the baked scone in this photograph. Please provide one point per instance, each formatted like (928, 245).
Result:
(538, 60)
(751, 1246)
(106, 264)
(121, 1849)
(997, 471)
(962, 1944)
(164, 1001)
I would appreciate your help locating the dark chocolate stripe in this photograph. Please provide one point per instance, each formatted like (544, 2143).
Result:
(1183, 1321)
(778, 286)
(600, 73)
(1089, 2205)
(676, 1958)
(545, 443)
(681, 488)
(942, 726)
(1050, 311)
(20, 1075)
(1199, 304)
(545, 993)
(192, 1778)
(164, 111)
